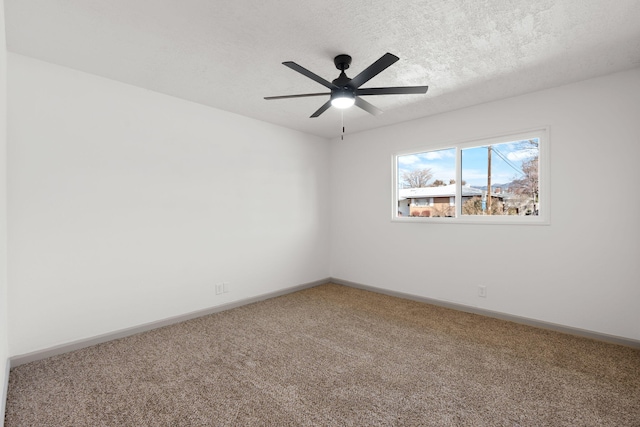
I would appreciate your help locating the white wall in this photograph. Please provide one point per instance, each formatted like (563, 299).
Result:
(581, 271)
(127, 206)
(4, 343)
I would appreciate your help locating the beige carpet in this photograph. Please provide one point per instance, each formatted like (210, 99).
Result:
(334, 356)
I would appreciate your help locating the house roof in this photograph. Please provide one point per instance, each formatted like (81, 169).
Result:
(442, 191)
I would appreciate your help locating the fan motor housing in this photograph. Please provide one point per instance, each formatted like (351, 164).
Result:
(342, 62)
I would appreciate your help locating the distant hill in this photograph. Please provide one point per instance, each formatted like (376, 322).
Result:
(493, 186)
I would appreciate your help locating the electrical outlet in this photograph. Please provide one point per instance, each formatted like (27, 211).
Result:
(482, 291)
(219, 288)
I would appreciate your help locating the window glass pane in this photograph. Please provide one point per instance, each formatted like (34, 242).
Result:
(501, 179)
(426, 182)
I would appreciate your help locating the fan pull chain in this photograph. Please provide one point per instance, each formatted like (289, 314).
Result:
(342, 115)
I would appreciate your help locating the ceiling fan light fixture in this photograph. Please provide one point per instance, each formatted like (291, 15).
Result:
(346, 92)
(342, 99)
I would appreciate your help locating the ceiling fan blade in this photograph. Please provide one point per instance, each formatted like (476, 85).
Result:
(369, 108)
(297, 96)
(406, 90)
(373, 70)
(322, 109)
(309, 74)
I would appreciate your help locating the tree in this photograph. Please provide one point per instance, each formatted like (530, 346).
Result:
(528, 184)
(437, 183)
(473, 206)
(442, 210)
(418, 178)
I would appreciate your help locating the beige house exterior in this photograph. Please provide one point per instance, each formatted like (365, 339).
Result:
(435, 201)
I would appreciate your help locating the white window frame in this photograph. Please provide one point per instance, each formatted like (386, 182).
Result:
(543, 217)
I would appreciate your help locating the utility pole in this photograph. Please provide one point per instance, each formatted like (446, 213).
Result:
(489, 181)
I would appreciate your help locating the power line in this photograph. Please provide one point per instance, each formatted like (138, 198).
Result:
(507, 161)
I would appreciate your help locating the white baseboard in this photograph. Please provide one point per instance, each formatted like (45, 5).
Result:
(498, 315)
(83, 343)
(5, 390)
(76, 345)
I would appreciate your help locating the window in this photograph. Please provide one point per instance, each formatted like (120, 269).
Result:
(494, 180)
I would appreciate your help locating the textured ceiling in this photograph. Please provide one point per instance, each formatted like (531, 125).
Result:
(228, 54)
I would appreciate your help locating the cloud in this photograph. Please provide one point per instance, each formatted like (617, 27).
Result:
(409, 160)
(474, 175)
(440, 162)
(421, 158)
(440, 154)
(517, 156)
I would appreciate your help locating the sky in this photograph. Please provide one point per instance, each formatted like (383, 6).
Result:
(506, 163)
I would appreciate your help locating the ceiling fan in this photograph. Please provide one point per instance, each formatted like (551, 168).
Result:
(346, 92)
